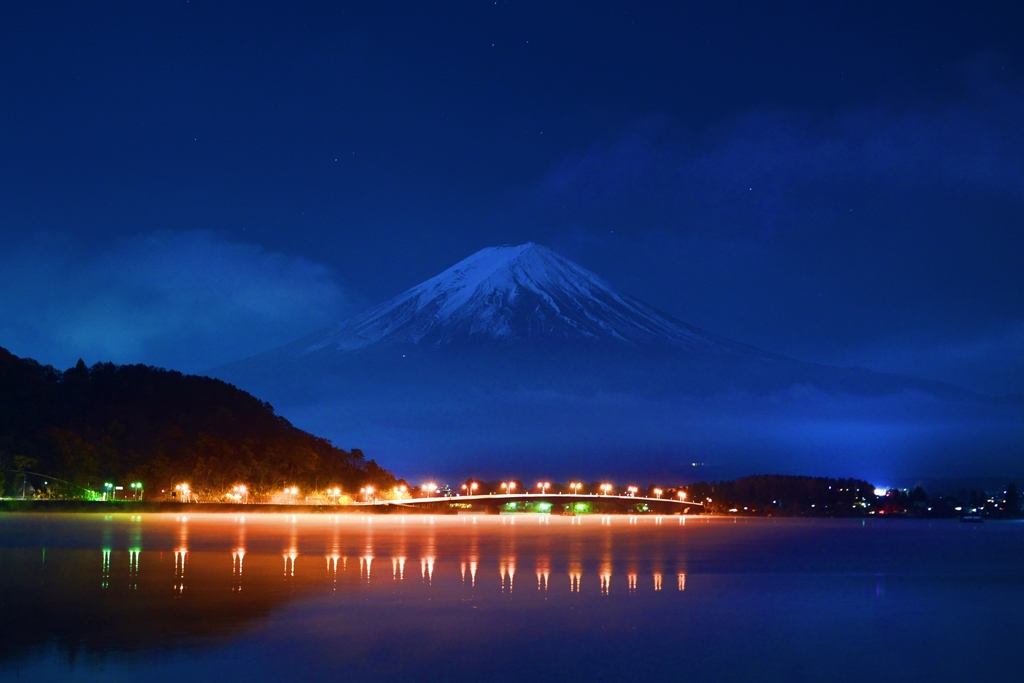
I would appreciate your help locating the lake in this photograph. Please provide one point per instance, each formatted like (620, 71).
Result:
(264, 597)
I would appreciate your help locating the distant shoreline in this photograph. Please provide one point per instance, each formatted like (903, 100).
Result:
(132, 507)
(15, 506)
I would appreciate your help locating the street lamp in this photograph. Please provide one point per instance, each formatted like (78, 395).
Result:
(429, 488)
(575, 486)
(544, 486)
(657, 493)
(606, 488)
(632, 490)
(508, 486)
(470, 487)
(682, 495)
(184, 493)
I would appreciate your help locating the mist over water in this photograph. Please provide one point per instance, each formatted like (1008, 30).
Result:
(421, 597)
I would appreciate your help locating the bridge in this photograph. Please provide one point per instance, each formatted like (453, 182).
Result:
(556, 503)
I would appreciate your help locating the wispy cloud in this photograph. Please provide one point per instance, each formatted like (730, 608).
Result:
(818, 236)
(188, 300)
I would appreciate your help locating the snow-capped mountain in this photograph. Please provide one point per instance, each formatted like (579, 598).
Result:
(514, 294)
(517, 354)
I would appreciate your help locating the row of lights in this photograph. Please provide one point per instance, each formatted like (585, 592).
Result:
(574, 487)
(239, 492)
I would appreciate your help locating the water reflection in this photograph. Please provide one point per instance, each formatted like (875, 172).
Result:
(618, 569)
(551, 542)
(543, 572)
(105, 577)
(429, 552)
(542, 554)
(291, 553)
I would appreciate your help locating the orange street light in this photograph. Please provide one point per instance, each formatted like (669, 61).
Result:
(544, 486)
(575, 486)
(657, 493)
(682, 495)
(632, 490)
(184, 493)
(606, 488)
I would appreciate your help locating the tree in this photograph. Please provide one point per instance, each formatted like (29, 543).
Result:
(1012, 500)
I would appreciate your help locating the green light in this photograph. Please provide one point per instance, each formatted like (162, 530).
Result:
(543, 507)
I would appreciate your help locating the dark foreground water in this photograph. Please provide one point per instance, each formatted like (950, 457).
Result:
(524, 598)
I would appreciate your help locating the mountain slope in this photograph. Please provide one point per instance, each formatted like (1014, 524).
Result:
(516, 354)
(524, 294)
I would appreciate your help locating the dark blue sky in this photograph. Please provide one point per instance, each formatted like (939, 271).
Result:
(186, 183)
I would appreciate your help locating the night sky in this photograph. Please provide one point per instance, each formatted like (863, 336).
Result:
(189, 183)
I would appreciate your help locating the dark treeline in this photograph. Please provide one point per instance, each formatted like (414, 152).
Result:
(821, 496)
(120, 423)
(782, 495)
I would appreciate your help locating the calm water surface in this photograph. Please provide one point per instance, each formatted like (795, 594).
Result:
(503, 598)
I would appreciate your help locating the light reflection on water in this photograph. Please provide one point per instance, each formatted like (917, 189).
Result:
(767, 599)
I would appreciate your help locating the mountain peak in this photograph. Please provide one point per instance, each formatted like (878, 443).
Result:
(523, 293)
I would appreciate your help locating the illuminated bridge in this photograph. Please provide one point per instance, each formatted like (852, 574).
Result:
(553, 503)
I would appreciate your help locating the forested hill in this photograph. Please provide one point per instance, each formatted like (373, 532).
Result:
(106, 423)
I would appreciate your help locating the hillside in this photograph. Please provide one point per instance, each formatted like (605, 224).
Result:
(111, 423)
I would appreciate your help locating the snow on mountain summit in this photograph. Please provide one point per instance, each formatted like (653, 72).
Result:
(512, 294)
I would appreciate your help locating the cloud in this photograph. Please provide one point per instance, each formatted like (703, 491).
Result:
(753, 171)
(187, 300)
(822, 237)
(799, 431)
(992, 362)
